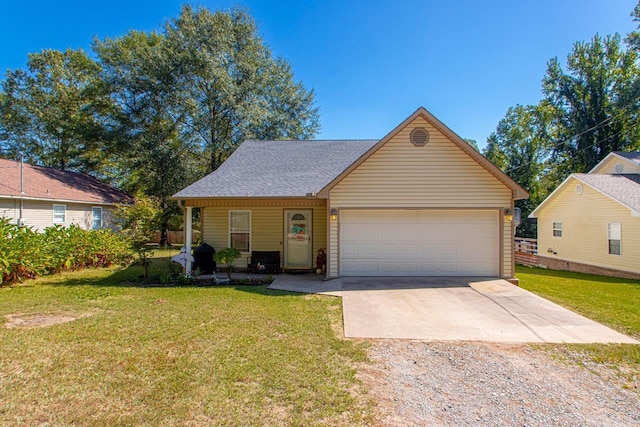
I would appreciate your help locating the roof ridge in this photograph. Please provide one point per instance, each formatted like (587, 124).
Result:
(312, 140)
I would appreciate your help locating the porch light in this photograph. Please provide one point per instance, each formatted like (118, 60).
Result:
(334, 214)
(508, 215)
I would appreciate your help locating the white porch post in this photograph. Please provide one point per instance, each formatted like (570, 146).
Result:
(188, 232)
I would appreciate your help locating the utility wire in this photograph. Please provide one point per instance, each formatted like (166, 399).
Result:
(592, 128)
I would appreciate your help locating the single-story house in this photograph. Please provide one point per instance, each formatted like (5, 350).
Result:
(418, 202)
(41, 197)
(591, 222)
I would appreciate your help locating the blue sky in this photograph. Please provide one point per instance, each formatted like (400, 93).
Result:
(371, 63)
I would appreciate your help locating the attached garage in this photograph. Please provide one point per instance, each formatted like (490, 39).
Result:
(416, 242)
(419, 202)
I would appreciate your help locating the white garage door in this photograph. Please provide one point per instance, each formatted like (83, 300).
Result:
(419, 243)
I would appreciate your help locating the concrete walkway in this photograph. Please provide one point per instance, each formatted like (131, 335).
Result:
(307, 283)
(448, 308)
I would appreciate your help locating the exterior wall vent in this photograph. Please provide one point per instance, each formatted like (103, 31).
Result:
(419, 136)
(579, 189)
(618, 168)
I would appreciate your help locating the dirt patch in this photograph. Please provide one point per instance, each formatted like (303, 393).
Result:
(469, 383)
(41, 320)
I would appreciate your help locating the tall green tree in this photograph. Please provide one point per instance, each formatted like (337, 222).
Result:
(233, 88)
(49, 111)
(519, 147)
(594, 103)
(145, 124)
(633, 38)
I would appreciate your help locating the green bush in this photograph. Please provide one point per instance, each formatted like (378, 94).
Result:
(226, 256)
(25, 253)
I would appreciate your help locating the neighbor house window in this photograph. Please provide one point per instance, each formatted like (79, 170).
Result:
(240, 230)
(615, 238)
(557, 229)
(59, 214)
(96, 218)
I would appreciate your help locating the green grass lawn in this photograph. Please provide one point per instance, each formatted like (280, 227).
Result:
(175, 356)
(610, 301)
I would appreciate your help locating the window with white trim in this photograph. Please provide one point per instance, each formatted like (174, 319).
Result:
(557, 229)
(240, 230)
(96, 218)
(615, 238)
(59, 214)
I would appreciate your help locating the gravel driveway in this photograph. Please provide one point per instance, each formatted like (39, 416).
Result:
(487, 384)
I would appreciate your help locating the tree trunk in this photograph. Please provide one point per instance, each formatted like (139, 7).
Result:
(164, 225)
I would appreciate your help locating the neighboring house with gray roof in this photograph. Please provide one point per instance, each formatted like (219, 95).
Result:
(41, 197)
(591, 222)
(418, 202)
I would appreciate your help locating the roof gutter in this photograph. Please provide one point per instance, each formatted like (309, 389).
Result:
(42, 199)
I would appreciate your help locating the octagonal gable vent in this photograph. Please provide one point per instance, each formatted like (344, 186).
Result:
(419, 136)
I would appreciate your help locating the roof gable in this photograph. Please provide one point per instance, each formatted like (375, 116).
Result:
(518, 191)
(621, 188)
(629, 160)
(278, 169)
(42, 183)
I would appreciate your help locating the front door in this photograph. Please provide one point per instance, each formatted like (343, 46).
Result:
(297, 237)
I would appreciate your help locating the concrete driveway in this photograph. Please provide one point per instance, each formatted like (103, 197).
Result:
(462, 309)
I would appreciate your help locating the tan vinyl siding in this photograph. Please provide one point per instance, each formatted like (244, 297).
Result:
(438, 174)
(608, 165)
(39, 213)
(10, 209)
(333, 255)
(267, 227)
(585, 218)
(508, 261)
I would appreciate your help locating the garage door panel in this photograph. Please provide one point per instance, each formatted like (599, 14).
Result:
(419, 242)
(369, 250)
(408, 250)
(389, 250)
(428, 267)
(350, 250)
(388, 268)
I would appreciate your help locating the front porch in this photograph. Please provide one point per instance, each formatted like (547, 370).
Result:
(296, 228)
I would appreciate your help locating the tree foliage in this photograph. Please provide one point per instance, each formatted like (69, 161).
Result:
(589, 108)
(519, 147)
(226, 256)
(49, 112)
(232, 87)
(593, 103)
(156, 110)
(139, 222)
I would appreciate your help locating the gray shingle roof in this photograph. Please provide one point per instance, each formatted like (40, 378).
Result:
(623, 188)
(633, 156)
(278, 169)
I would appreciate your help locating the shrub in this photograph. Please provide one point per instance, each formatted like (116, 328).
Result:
(226, 256)
(25, 253)
(139, 224)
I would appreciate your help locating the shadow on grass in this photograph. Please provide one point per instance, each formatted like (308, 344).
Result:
(574, 276)
(132, 277)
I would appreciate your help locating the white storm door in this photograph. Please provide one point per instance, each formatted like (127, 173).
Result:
(297, 238)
